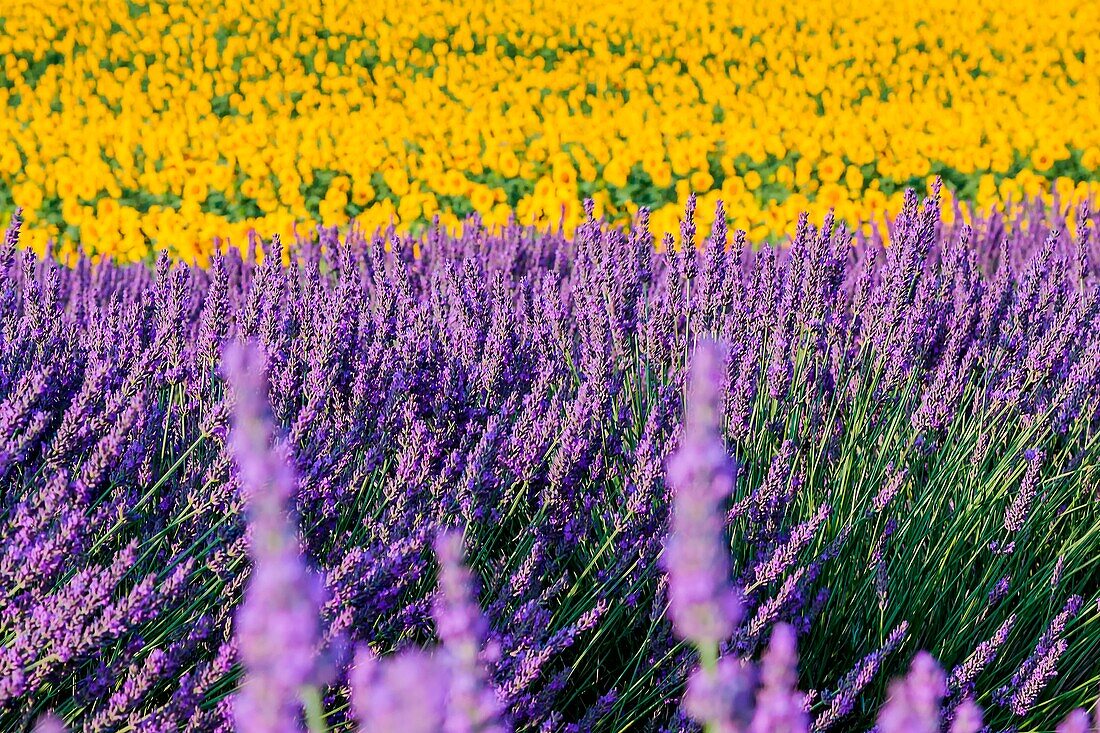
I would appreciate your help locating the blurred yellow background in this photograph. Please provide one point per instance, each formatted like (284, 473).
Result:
(132, 125)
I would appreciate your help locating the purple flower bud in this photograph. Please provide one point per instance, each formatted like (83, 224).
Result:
(999, 590)
(1056, 575)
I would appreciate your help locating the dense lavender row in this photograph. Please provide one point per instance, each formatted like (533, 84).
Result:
(728, 693)
(908, 462)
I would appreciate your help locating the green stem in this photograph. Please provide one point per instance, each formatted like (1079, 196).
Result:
(315, 711)
(708, 661)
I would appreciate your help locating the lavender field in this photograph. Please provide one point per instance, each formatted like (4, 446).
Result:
(516, 481)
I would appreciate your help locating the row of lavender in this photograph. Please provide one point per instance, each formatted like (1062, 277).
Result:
(914, 431)
(446, 689)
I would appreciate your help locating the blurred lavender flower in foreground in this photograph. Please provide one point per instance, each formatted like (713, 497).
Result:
(914, 701)
(703, 605)
(405, 693)
(779, 703)
(721, 695)
(472, 706)
(968, 718)
(278, 624)
(1075, 722)
(49, 723)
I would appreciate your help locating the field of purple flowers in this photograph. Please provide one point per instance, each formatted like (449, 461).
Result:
(512, 481)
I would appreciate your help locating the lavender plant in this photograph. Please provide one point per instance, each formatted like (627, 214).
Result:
(913, 426)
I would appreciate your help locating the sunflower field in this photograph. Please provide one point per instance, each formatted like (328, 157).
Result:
(132, 126)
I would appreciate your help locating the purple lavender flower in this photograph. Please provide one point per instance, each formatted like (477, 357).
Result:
(7, 258)
(472, 705)
(785, 555)
(999, 591)
(769, 610)
(1044, 670)
(1040, 666)
(1081, 242)
(703, 604)
(721, 696)
(968, 718)
(778, 702)
(913, 705)
(403, 693)
(963, 676)
(1018, 511)
(889, 489)
(879, 563)
(1056, 574)
(843, 700)
(278, 624)
(49, 723)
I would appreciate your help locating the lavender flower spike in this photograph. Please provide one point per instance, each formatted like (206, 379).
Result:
(1046, 669)
(963, 675)
(703, 605)
(843, 700)
(49, 723)
(968, 718)
(779, 703)
(402, 694)
(1076, 722)
(1019, 509)
(472, 706)
(721, 695)
(1041, 665)
(278, 624)
(914, 703)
